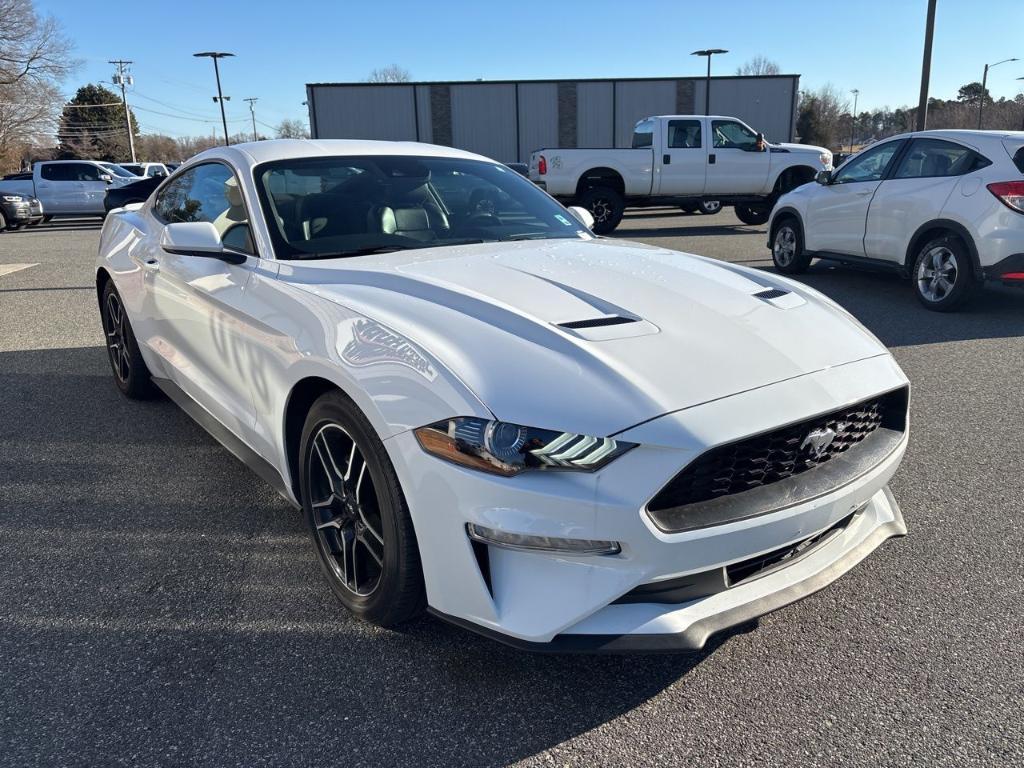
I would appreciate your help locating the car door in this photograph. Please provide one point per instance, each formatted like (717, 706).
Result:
(194, 304)
(914, 193)
(92, 188)
(683, 159)
(837, 212)
(735, 164)
(59, 189)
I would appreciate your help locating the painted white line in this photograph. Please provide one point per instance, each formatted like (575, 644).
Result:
(6, 269)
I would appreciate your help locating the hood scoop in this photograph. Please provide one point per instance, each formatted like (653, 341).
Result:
(770, 293)
(597, 322)
(607, 327)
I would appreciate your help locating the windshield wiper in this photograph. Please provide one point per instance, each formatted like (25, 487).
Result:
(528, 236)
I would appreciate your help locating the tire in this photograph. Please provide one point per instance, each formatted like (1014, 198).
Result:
(688, 208)
(752, 214)
(130, 372)
(340, 453)
(710, 207)
(47, 219)
(606, 206)
(3, 221)
(943, 274)
(788, 248)
(35, 222)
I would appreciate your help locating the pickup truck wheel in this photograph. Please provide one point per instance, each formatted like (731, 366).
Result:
(788, 248)
(710, 207)
(752, 214)
(943, 276)
(606, 206)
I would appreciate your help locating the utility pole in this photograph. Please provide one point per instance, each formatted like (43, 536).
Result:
(984, 85)
(123, 79)
(926, 67)
(252, 111)
(853, 122)
(220, 97)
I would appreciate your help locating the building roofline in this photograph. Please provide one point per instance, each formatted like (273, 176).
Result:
(697, 78)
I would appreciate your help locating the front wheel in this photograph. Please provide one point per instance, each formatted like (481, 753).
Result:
(752, 214)
(943, 275)
(130, 372)
(710, 207)
(606, 206)
(788, 248)
(358, 516)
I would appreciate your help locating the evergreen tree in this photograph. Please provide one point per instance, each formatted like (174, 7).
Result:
(92, 126)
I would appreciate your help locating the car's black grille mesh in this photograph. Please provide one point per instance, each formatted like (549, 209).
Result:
(776, 455)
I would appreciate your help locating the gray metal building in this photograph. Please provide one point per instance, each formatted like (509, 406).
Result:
(507, 120)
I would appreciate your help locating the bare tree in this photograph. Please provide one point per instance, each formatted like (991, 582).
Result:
(292, 129)
(390, 74)
(759, 65)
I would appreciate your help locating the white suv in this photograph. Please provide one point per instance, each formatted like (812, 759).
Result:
(945, 208)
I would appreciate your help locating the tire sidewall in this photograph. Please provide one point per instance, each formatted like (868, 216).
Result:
(964, 285)
(138, 384)
(703, 208)
(753, 215)
(800, 260)
(615, 202)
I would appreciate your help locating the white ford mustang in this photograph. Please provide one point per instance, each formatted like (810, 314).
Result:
(483, 410)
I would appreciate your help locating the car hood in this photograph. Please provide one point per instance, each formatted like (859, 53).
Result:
(593, 336)
(803, 148)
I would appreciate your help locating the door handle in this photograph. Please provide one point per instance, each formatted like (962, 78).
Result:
(666, 159)
(711, 159)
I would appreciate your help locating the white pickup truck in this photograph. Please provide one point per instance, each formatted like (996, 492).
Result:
(682, 160)
(67, 187)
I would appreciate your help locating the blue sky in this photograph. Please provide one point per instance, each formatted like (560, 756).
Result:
(282, 45)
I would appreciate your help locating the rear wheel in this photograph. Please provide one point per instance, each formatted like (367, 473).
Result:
(606, 206)
(943, 275)
(710, 207)
(752, 214)
(130, 372)
(358, 516)
(788, 248)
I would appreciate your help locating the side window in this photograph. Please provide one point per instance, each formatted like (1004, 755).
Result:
(935, 157)
(728, 134)
(684, 134)
(643, 135)
(56, 171)
(208, 192)
(87, 172)
(870, 165)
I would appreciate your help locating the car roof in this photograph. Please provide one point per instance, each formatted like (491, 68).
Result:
(255, 152)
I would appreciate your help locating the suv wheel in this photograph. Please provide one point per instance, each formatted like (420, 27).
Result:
(710, 207)
(606, 206)
(943, 275)
(788, 248)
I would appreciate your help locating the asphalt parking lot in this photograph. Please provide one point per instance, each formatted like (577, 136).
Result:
(159, 604)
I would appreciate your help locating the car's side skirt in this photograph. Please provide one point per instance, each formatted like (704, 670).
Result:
(225, 437)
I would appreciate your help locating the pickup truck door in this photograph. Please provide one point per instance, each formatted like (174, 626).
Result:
(193, 305)
(57, 186)
(837, 214)
(683, 161)
(735, 165)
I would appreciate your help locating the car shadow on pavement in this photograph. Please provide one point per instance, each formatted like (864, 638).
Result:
(885, 303)
(63, 225)
(162, 605)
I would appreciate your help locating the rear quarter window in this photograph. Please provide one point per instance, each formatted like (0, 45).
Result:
(1018, 159)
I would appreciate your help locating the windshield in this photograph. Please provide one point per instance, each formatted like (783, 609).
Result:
(134, 170)
(117, 170)
(324, 207)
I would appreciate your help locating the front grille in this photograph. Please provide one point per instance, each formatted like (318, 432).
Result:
(783, 453)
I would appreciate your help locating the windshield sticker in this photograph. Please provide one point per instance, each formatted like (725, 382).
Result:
(370, 343)
(565, 221)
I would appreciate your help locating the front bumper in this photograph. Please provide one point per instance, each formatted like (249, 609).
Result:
(551, 601)
(21, 212)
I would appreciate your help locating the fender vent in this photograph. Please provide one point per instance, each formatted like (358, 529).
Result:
(770, 293)
(597, 322)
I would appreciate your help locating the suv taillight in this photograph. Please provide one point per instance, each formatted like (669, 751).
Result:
(542, 165)
(1010, 194)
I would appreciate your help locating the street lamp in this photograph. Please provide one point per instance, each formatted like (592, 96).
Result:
(709, 52)
(220, 98)
(984, 80)
(853, 121)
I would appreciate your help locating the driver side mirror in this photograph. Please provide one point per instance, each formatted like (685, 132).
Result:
(583, 215)
(197, 238)
(824, 177)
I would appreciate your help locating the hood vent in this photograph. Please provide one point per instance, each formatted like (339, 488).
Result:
(770, 293)
(597, 322)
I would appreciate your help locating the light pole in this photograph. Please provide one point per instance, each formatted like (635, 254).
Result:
(853, 121)
(984, 82)
(220, 98)
(709, 52)
(252, 111)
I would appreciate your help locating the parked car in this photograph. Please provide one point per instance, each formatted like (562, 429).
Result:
(65, 187)
(556, 440)
(19, 210)
(147, 169)
(944, 208)
(118, 170)
(134, 192)
(683, 160)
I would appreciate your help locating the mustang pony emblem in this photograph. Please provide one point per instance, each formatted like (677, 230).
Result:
(817, 442)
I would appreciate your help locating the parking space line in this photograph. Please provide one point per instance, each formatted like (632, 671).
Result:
(7, 269)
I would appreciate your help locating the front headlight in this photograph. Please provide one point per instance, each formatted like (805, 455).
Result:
(14, 199)
(508, 449)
